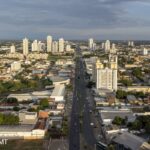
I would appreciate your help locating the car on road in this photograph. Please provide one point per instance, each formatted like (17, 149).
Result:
(102, 124)
(92, 124)
(90, 111)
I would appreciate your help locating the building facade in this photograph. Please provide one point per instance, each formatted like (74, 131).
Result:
(25, 46)
(106, 77)
(49, 43)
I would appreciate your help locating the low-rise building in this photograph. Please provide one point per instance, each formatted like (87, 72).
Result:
(108, 116)
(132, 99)
(58, 93)
(36, 131)
(145, 89)
(60, 80)
(128, 141)
(27, 117)
(31, 96)
(55, 121)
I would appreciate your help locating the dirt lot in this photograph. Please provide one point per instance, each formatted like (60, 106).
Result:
(24, 145)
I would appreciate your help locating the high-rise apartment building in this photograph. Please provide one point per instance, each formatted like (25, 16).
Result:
(61, 45)
(106, 77)
(41, 46)
(49, 43)
(55, 47)
(12, 49)
(25, 46)
(91, 41)
(107, 46)
(103, 46)
(91, 44)
(34, 46)
(145, 51)
(131, 43)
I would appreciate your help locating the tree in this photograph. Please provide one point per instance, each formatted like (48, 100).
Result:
(46, 82)
(136, 125)
(118, 121)
(140, 94)
(111, 147)
(44, 103)
(12, 100)
(32, 110)
(8, 119)
(1, 118)
(138, 73)
(147, 127)
(90, 84)
(16, 108)
(146, 109)
(121, 94)
(126, 82)
(2, 88)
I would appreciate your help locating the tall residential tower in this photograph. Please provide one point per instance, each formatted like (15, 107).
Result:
(25, 46)
(61, 45)
(49, 43)
(106, 77)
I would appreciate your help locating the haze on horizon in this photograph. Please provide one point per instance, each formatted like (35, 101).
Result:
(75, 19)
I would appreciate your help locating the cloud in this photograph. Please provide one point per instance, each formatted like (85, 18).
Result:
(35, 16)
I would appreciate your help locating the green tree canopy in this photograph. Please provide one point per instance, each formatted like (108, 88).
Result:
(118, 121)
(44, 103)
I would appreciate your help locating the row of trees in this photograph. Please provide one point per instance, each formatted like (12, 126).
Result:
(8, 119)
(10, 101)
(23, 84)
(141, 122)
(17, 85)
(123, 94)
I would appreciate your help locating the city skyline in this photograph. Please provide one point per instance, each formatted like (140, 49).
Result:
(109, 19)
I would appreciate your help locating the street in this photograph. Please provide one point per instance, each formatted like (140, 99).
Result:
(80, 105)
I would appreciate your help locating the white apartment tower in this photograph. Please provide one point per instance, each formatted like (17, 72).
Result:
(25, 46)
(113, 49)
(15, 66)
(61, 45)
(49, 43)
(103, 45)
(55, 47)
(106, 77)
(34, 46)
(12, 49)
(41, 46)
(131, 43)
(113, 46)
(91, 41)
(145, 51)
(107, 46)
(91, 44)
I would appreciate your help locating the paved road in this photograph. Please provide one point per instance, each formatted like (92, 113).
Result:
(88, 132)
(74, 136)
(80, 104)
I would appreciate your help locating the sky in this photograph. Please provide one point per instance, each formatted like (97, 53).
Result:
(75, 19)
